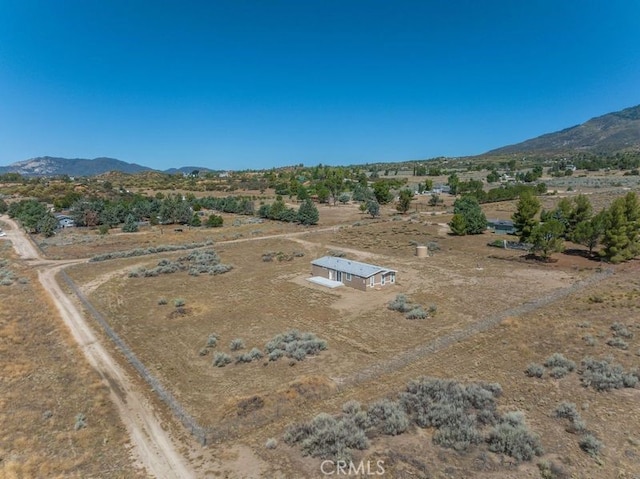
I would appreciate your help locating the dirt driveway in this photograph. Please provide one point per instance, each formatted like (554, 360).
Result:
(153, 448)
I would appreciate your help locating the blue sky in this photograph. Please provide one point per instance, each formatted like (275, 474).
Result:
(235, 84)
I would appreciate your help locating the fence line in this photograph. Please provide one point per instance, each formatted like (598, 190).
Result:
(229, 429)
(176, 408)
(405, 358)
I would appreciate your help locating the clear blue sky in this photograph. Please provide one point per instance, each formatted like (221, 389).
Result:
(234, 84)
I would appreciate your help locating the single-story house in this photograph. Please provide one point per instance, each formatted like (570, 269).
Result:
(64, 221)
(505, 227)
(351, 273)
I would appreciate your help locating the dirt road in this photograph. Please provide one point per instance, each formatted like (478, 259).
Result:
(152, 446)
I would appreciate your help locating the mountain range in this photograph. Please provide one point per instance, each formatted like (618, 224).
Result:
(52, 166)
(610, 133)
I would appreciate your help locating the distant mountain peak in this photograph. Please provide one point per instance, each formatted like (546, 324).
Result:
(54, 166)
(617, 131)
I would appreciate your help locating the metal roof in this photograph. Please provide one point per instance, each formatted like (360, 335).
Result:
(364, 270)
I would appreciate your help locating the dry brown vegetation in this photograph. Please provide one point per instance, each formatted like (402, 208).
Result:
(244, 404)
(45, 385)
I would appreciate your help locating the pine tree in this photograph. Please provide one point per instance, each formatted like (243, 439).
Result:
(620, 240)
(589, 232)
(547, 238)
(404, 200)
(524, 218)
(458, 225)
(308, 213)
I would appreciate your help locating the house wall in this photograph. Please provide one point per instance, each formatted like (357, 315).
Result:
(356, 282)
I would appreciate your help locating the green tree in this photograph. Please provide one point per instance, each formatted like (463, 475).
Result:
(473, 218)
(404, 200)
(620, 239)
(458, 225)
(130, 224)
(303, 193)
(373, 208)
(589, 232)
(382, 192)
(216, 221)
(195, 220)
(581, 212)
(308, 213)
(435, 199)
(547, 238)
(524, 219)
(344, 198)
(453, 183)
(3, 206)
(47, 225)
(493, 177)
(428, 184)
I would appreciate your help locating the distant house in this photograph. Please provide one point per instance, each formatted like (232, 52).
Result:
(65, 221)
(505, 227)
(351, 273)
(440, 189)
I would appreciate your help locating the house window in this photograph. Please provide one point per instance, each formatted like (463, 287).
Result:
(382, 278)
(372, 280)
(392, 277)
(347, 276)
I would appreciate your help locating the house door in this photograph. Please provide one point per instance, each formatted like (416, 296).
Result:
(331, 274)
(339, 276)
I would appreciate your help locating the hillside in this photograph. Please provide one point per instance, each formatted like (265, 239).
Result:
(608, 133)
(51, 166)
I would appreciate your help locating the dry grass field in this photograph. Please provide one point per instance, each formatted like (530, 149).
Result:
(464, 282)
(45, 384)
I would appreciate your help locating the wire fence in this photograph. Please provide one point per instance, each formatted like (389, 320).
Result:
(199, 432)
(230, 427)
(408, 357)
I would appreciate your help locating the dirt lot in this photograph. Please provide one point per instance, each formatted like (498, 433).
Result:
(464, 280)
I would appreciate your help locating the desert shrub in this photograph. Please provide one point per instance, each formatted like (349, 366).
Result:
(433, 309)
(103, 230)
(590, 444)
(567, 410)
(81, 422)
(236, 344)
(351, 407)
(416, 313)
(162, 301)
(203, 352)
(387, 417)
(271, 443)
(534, 370)
(513, 438)
(212, 340)
(152, 250)
(458, 409)
(327, 437)
(400, 304)
(244, 358)
(179, 302)
(604, 376)
(23, 280)
(336, 253)
(6, 282)
(551, 470)
(620, 330)
(221, 360)
(294, 345)
(256, 354)
(276, 354)
(558, 360)
(584, 324)
(589, 340)
(558, 372)
(617, 342)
